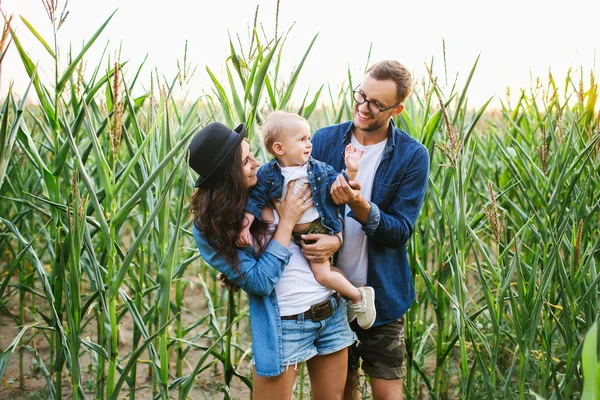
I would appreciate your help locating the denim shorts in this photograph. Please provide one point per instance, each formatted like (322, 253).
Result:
(304, 338)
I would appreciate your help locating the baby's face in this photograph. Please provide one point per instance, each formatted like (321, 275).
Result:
(296, 144)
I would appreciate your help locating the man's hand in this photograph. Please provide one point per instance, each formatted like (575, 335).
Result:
(225, 282)
(343, 192)
(323, 248)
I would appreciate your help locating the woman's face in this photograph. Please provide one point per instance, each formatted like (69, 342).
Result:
(249, 165)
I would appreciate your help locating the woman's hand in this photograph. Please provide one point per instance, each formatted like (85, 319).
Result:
(322, 249)
(291, 208)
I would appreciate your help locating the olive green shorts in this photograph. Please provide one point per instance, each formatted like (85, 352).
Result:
(382, 349)
(314, 227)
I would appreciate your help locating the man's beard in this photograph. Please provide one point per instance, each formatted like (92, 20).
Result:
(373, 126)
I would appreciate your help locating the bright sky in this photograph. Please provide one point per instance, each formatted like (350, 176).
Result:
(517, 39)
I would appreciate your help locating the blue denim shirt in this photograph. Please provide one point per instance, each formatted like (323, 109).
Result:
(257, 277)
(321, 177)
(398, 191)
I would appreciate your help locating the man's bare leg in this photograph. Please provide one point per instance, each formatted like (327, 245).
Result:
(384, 389)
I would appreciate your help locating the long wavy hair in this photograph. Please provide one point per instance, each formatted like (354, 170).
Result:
(218, 209)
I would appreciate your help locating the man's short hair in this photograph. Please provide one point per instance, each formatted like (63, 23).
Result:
(393, 70)
(273, 126)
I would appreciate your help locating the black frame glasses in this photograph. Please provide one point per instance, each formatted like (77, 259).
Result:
(377, 109)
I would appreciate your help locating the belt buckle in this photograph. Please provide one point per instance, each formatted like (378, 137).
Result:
(321, 311)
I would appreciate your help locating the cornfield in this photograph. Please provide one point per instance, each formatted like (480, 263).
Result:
(104, 295)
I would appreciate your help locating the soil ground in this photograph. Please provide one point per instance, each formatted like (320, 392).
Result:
(206, 385)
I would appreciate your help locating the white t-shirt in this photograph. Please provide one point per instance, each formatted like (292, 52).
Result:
(298, 289)
(352, 258)
(301, 175)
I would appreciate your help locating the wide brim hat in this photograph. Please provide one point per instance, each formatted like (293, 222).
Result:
(212, 147)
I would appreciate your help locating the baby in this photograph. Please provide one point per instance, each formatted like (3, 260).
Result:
(287, 137)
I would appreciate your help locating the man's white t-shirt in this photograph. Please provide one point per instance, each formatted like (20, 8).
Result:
(352, 258)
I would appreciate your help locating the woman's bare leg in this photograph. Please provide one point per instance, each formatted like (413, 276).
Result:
(328, 375)
(277, 387)
(351, 390)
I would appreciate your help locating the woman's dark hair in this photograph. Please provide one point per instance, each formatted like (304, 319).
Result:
(218, 208)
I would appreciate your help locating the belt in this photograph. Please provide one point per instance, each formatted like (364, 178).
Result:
(317, 312)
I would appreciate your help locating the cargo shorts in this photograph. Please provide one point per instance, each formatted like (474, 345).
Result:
(382, 349)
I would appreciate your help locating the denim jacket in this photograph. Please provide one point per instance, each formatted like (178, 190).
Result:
(257, 277)
(398, 191)
(321, 177)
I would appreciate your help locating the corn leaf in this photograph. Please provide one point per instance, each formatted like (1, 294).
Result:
(38, 37)
(71, 68)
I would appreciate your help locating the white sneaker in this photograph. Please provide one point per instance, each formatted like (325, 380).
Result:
(365, 309)
(350, 312)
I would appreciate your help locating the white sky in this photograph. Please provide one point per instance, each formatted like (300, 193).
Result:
(516, 39)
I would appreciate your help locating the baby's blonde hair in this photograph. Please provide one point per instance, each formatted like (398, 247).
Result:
(273, 126)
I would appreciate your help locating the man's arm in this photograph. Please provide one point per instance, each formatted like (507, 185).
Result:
(344, 192)
(394, 226)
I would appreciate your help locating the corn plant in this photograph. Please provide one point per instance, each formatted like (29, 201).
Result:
(591, 368)
(108, 177)
(94, 231)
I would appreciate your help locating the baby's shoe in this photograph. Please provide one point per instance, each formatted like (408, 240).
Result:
(350, 312)
(365, 309)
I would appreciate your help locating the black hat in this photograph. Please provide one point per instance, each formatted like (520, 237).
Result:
(212, 146)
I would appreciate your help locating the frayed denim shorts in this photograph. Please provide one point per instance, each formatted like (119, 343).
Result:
(303, 338)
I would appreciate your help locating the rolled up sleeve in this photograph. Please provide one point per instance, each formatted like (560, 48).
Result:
(372, 219)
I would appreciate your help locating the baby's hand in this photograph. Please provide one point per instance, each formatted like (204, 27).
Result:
(352, 157)
(244, 239)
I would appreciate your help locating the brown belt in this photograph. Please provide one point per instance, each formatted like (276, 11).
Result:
(318, 311)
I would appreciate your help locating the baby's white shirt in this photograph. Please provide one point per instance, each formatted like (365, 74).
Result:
(300, 174)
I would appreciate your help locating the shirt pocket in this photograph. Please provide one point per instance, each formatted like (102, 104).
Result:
(384, 193)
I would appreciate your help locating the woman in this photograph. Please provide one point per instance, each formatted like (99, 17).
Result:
(292, 317)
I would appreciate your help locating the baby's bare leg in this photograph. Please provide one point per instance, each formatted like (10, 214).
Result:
(333, 278)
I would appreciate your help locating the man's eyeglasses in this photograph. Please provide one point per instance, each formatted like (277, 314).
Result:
(375, 109)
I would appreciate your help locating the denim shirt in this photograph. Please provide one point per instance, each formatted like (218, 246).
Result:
(257, 277)
(320, 175)
(398, 191)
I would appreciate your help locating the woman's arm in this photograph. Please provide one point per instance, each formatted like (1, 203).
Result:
(259, 276)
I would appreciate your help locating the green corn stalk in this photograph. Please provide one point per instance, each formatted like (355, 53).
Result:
(73, 286)
(505, 313)
(591, 365)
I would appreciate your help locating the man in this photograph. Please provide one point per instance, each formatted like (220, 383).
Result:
(382, 205)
